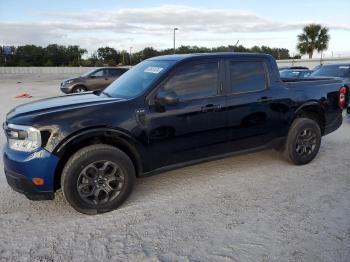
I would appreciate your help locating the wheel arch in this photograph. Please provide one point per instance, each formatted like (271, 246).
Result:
(97, 136)
(314, 111)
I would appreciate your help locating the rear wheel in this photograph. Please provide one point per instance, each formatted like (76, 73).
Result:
(303, 141)
(97, 179)
(79, 89)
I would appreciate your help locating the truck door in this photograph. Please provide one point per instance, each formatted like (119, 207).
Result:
(195, 126)
(253, 120)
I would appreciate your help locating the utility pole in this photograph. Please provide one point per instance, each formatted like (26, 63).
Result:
(130, 54)
(175, 29)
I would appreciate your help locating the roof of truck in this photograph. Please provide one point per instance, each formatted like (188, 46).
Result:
(179, 57)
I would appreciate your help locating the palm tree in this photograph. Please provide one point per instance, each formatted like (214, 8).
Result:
(314, 37)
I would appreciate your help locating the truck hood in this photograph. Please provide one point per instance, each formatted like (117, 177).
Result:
(59, 103)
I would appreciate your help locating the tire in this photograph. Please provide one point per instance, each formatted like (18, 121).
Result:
(303, 141)
(79, 89)
(97, 179)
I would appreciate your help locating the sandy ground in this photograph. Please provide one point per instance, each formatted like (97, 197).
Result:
(254, 207)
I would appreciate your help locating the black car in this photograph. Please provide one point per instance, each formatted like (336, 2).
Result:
(334, 70)
(165, 112)
(295, 73)
(292, 67)
(341, 71)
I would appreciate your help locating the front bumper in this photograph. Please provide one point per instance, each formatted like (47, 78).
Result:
(21, 167)
(22, 185)
(66, 89)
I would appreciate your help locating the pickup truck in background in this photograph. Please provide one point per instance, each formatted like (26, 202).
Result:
(166, 112)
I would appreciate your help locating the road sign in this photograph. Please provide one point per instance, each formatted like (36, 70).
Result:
(8, 50)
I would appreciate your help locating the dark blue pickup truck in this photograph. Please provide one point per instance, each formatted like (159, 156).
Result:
(166, 112)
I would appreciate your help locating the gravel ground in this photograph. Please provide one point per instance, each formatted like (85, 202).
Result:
(254, 207)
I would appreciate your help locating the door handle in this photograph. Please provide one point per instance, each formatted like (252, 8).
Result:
(211, 107)
(265, 99)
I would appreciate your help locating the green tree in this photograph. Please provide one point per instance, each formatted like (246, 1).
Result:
(74, 54)
(29, 55)
(149, 52)
(55, 55)
(314, 37)
(109, 55)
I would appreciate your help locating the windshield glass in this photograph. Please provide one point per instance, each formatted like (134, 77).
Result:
(88, 73)
(289, 73)
(333, 70)
(138, 79)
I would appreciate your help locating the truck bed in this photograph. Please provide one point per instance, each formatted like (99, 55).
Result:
(310, 82)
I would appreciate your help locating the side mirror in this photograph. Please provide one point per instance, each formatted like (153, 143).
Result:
(166, 98)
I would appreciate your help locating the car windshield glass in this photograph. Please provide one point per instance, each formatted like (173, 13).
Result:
(138, 79)
(288, 73)
(334, 71)
(88, 73)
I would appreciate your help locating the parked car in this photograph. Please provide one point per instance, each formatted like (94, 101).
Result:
(295, 73)
(334, 70)
(341, 71)
(317, 67)
(96, 79)
(166, 112)
(292, 67)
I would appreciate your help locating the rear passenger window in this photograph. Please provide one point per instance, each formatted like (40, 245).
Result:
(115, 72)
(247, 76)
(195, 81)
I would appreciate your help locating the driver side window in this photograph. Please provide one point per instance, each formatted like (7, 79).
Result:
(98, 73)
(194, 81)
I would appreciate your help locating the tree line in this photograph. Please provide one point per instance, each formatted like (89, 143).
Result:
(73, 55)
(314, 37)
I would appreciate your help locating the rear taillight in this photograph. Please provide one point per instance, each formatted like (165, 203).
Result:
(342, 97)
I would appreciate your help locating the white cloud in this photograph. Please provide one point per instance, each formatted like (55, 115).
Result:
(160, 19)
(144, 25)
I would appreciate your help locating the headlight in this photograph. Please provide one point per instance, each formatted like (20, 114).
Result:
(70, 82)
(23, 138)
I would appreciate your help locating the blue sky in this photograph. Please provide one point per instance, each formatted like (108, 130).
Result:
(122, 24)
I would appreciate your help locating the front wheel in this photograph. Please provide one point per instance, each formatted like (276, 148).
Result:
(97, 179)
(303, 141)
(79, 89)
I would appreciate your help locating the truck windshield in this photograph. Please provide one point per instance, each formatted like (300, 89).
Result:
(333, 71)
(138, 79)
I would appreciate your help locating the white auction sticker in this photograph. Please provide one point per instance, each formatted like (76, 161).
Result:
(153, 69)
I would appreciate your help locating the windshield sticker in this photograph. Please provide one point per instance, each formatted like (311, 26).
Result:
(153, 70)
(344, 67)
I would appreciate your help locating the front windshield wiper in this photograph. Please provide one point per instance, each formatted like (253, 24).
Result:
(105, 93)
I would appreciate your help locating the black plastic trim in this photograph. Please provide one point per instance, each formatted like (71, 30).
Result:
(20, 184)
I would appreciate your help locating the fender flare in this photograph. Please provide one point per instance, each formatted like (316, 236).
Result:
(89, 133)
(127, 140)
(315, 107)
(314, 104)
